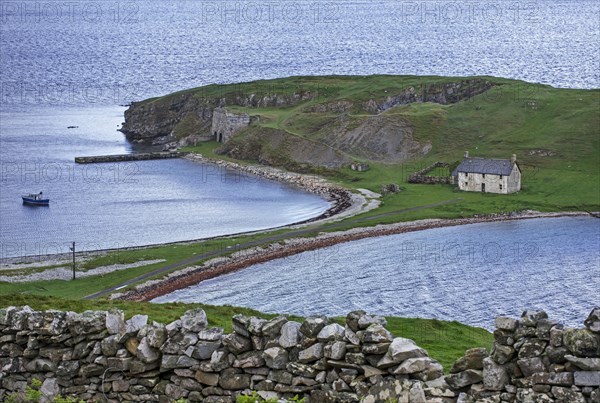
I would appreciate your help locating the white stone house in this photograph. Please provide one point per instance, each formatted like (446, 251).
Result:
(488, 175)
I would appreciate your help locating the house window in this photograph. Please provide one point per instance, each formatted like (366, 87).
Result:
(483, 176)
(466, 183)
(500, 176)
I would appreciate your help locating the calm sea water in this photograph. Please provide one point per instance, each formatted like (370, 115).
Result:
(75, 63)
(116, 205)
(470, 273)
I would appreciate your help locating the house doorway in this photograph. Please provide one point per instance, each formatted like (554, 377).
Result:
(483, 187)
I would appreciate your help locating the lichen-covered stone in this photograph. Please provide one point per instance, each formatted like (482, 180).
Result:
(401, 349)
(179, 342)
(567, 395)
(464, 378)
(156, 335)
(300, 369)
(290, 334)
(272, 328)
(585, 364)
(313, 325)
(503, 354)
(203, 350)
(311, 354)
(276, 357)
(194, 320)
(473, 359)
(532, 348)
(352, 319)
(531, 318)
(146, 353)
(414, 365)
(553, 378)
(506, 323)
(134, 324)
(250, 359)
(495, 376)
(530, 366)
(376, 333)
(593, 320)
(582, 342)
(87, 322)
(335, 350)
(556, 355)
(211, 334)
(331, 332)
(236, 343)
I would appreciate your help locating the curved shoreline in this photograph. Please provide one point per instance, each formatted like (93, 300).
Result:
(344, 203)
(240, 260)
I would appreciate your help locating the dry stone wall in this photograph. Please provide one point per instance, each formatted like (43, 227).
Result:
(533, 359)
(422, 177)
(100, 356)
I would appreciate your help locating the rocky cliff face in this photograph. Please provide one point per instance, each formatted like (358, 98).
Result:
(447, 93)
(99, 356)
(156, 122)
(177, 118)
(350, 129)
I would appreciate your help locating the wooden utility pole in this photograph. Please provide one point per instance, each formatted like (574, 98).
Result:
(73, 249)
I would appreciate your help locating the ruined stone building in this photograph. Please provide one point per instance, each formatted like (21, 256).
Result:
(225, 124)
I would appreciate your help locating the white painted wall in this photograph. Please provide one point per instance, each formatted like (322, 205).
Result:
(472, 182)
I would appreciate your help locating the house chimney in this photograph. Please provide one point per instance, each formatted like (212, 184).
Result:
(513, 159)
(466, 154)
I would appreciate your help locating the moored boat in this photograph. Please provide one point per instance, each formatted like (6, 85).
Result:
(35, 199)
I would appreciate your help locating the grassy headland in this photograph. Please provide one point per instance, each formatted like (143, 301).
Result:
(554, 132)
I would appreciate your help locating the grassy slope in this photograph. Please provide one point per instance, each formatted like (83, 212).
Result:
(445, 341)
(513, 117)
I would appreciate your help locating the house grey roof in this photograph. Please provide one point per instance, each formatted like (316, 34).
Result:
(484, 166)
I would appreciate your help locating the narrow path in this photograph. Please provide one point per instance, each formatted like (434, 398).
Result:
(250, 244)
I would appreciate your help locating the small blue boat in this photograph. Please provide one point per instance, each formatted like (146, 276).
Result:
(34, 199)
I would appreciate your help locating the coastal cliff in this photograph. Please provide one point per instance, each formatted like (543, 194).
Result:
(317, 121)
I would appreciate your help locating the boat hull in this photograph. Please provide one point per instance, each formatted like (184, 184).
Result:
(33, 202)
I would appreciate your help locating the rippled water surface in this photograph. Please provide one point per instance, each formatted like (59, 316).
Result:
(76, 63)
(115, 205)
(469, 273)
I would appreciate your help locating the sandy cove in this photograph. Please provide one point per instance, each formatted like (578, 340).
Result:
(244, 258)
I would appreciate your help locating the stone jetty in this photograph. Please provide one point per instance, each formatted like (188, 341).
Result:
(129, 157)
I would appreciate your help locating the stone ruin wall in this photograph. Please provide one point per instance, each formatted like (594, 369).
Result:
(422, 177)
(226, 124)
(99, 356)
